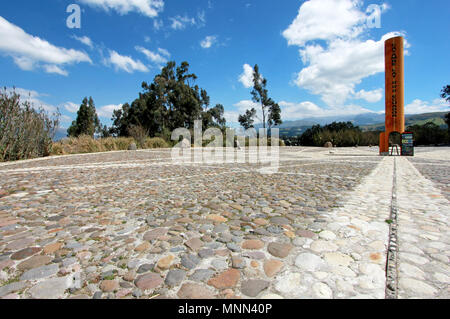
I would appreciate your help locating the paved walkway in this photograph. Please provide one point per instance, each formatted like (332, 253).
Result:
(424, 236)
(135, 225)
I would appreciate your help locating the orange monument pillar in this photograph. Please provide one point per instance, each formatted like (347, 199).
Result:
(395, 104)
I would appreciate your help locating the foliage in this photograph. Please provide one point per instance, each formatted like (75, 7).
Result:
(428, 134)
(24, 131)
(171, 101)
(445, 93)
(87, 144)
(342, 134)
(139, 134)
(246, 120)
(87, 122)
(271, 111)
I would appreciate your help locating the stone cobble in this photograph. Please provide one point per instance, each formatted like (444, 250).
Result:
(137, 225)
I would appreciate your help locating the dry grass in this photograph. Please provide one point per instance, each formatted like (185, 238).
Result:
(86, 144)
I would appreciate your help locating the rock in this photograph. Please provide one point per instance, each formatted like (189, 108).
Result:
(233, 247)
(189, 261)
(194, 291)
(51, 248)
(34, 262)
(290, 283)
(306, 233)
(205, 253)
(143, 247)
(155, 234)
(109, 285)
(202, 275)
(322, 291)
(417, 287)
(12, 287)
(227, 279)
(338, 259)
(252, 288)
(97, 295)
(260, 222)
(132, 147)
(129, 276)
(328, 235)
(217, 218)
(145, 268)
(165, 262)
(252, 244)
(309, 262)
(279, 220)
(279, 250)
(238, 263)
(24, 253)
(272, 267)
(148, 281)
(219, 264)
(40, 272)
(19, 244)
(194, 244)
(328, 145)
(50, 289)
(175, 277)
(322, 245)
(255, 255)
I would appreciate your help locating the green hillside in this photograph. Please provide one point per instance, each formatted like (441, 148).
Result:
(415, 119)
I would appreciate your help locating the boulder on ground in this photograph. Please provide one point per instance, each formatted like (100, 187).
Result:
(328, 145)
(132, 147)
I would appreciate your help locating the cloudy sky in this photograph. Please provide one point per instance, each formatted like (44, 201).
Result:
(320, 57)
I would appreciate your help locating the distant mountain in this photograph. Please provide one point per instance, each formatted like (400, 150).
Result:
(60, 134)
(366, 121)
(412, 119)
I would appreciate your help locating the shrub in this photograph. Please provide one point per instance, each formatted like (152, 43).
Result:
(139, 134)
(156, 142)
(25, 132)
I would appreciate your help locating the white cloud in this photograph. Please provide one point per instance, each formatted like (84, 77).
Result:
(158, 24)
(33, 98)
(246, 78)
(29, 52)
(125, 63)
(335, 58)
(158, 58)
(208, 41)
(325, 20)
(66, 119)
(51, 68)
(419, 106)
(149, 8)
(370, 96)
(297, 111)
(85, 40)
(107, 110)
(71, 107)
(294, 111)
(180, 22)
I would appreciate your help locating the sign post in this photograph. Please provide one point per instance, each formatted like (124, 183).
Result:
(407, 144)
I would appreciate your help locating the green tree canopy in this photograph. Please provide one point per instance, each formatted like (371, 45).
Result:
(87, 122)
(171, 101)
(271, 111)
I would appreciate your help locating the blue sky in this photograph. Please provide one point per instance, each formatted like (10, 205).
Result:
(320, 57)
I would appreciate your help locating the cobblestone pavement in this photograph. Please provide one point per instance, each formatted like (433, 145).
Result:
(136, 225)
